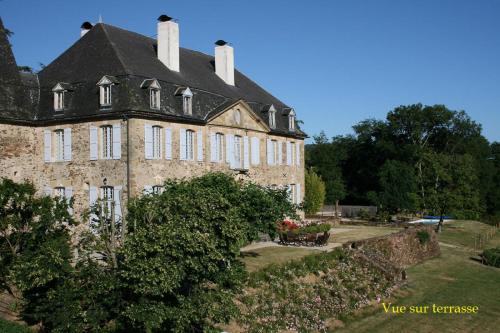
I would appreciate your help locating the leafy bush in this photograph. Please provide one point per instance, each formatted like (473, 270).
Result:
(364, 214)
(7, 327)
(423, 236)
(314, 192)
(492, 257)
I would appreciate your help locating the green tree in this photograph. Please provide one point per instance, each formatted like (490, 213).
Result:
(314, 192)
(399, 187)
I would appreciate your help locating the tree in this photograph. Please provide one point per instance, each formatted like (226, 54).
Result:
(399, 186)
(314, 192)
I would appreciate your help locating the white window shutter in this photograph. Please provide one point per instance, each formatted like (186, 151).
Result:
(67, 144)
(199, 141)
(117, 191)
(68, 193)
(270, 153)
(47, 146)
(246, 153)
(101, 95)
(299, 195)
(148, 141)
(213, 148)
(288, 153)
(232, 160)
(47, 191)
(228, 148)
(168, 143)
(255, 143)
(280, 152)
(148, 189)
(297, 145)
(117, 142)
(93, 143)
(182, 145)
(92, 201)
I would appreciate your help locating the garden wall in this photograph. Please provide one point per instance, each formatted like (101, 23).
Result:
(402, 249)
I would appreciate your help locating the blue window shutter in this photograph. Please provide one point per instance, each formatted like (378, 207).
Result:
(168, 143)
(47, 191)
(232, 161)
(117, 142)
(92, 201)
(68, 193)
(228, 148)
(67, 144)
(270, 153)
(213, 148)
(288, 153)
(148, 141)
(299, 195)
(182, 144)
(47, 144)
(199, 141)
(255, 150)
(297, 145)
(246, 157)
(93, 143)
(280, 152)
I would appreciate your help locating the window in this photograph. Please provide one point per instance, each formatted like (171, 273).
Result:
(272, 119)
(293, 193)
(105, 95)
(107, 142)
(154, 98)
(157, 142)
(219, 147)
(157, 189)
(274, 152)
(187, 101)
(59, 100)
(59, 147)
(292, 153)
(189, 145)
(107, 200)
(60, 192)
(291, 121)
(237, 151)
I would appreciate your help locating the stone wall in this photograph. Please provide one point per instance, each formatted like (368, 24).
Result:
(401, 249)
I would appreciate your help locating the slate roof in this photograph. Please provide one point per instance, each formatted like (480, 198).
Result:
(131, 58)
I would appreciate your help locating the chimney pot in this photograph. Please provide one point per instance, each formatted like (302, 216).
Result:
(85, 27)
(224, 61)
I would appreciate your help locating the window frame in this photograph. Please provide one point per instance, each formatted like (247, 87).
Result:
(293, 151)
(107, 196)
(157, 189)
(156, 134)
(272, 119)
(105, 98)
(274, 145)
(238, 156)
(106, 142)
(59, 145)
(59, 100)
(219, 147)
(291, 122)
(154, 98)
(60, 192)
(190, 145)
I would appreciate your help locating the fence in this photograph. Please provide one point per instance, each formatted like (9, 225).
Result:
(480, 240)
(348, 211)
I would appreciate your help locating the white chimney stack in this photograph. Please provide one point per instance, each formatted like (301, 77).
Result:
(168, 42)
(224, 62)
(86, 26)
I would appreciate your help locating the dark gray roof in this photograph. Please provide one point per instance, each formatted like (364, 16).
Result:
(131, 58)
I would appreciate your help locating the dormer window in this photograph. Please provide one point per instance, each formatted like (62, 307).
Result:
(154, 89)
(272, 118)
(187, 102)
(59, 91)
(105, 90)
(291, 120)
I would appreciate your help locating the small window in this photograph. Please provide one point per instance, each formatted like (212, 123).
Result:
(237, 151)
(59, 147)
(219, 147)
(291, 122)
(105, 95)
(189, 145)
(157, 189)
(272, 119)
(154, 98)
(60, 192)
(59, 100)
(157, 130)
(187, 101)
(107, 141)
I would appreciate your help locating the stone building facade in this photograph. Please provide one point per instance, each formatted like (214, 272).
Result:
(118, 113)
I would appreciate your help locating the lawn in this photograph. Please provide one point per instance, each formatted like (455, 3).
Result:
(345, 233)
(452, 279)
(260, 258)
(463, 233)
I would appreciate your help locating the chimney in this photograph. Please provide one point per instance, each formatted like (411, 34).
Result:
(86, 26)
(224, 61)
(168, 42)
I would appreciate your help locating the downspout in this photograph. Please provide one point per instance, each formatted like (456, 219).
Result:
(128, 159)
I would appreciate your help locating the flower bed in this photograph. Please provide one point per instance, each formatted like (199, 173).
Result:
(314, 234)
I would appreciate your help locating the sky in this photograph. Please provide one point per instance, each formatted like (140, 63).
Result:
(336, 62)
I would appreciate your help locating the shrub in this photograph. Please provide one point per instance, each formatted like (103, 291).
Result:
(492, 257)
(7, 327)
(314, 192)
(364, 214)
(423, 237)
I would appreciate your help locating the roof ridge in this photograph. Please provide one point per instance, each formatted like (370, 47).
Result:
(117, 53)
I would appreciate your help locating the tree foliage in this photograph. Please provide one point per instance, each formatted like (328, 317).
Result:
(314, 192)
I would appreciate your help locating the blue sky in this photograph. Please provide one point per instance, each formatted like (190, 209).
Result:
(336, 62)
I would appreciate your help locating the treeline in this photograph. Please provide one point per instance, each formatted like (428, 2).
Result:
(420, 159)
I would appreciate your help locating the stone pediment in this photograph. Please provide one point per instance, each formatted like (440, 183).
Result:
(239, 115)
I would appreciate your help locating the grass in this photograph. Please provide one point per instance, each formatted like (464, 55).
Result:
(260, 258)
(347, 233)
(452, 279)
(9, 327)
(462, 233)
